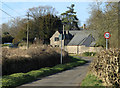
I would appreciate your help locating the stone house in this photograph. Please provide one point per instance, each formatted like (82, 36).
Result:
(75, 41)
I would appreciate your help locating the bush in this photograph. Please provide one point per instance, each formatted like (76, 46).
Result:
(107, 66)
(17, 60)
(7, 38)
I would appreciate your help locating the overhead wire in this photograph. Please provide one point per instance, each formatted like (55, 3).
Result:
(17, 12)
(7, 13)
(13, 10)
(10, 16)
(10, 8)
(14, 18)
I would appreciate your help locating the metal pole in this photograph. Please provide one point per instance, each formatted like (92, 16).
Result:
(106, 44)
(28, 32)
(61, 48)
(63, 37)
(63, 29)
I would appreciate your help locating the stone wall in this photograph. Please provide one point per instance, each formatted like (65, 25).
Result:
(81, 49)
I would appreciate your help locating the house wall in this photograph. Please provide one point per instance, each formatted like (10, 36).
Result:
(81, 49)
(53, 42)
(52, 39)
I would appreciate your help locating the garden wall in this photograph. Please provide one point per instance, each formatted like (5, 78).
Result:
(82, 49)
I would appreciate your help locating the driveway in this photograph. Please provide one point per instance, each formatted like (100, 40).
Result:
(71, 77)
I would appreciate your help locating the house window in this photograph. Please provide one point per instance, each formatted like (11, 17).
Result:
(56, 39)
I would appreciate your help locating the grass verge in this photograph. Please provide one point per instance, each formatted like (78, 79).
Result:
(89, 54)
(5, 45)
(18, 79)
(85, 54)
(91, 80)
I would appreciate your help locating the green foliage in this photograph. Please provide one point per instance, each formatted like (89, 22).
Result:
(101, 41)
(21, 78)
(91, 80)
(70, 19)
(7, 38)
(89, 54)
(16, 79)
(6, 33)
(5, 45)
(42, 24)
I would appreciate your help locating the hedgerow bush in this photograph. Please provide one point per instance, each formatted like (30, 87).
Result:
(107, 66)
(36, 57)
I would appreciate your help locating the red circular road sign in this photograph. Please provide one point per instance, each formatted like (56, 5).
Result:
(107, 35)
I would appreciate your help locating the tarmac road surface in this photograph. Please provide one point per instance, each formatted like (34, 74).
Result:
(72, 77)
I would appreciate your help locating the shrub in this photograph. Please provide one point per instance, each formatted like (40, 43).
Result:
(7, 38)
(19, 60)
(107, 66)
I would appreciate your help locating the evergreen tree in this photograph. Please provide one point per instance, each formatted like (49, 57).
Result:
(70, 19)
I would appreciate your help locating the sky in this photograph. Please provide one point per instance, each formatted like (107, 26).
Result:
(19, 9)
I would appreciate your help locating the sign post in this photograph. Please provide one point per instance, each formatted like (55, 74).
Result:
(60, 38)
(106, 44)
(107, 36)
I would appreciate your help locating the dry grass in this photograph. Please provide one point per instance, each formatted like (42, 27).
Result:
(32, 51)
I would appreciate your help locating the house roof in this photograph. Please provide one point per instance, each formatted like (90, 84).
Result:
(78, 39)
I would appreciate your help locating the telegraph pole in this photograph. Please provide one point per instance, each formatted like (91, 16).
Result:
(28, 31)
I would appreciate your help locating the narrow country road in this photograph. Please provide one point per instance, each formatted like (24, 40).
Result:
(71, 77)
